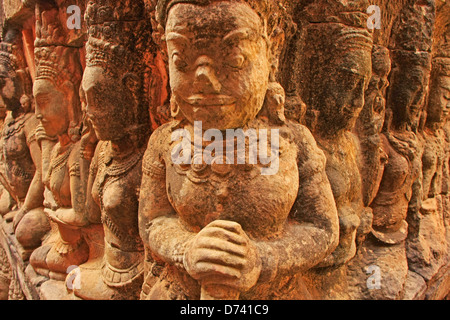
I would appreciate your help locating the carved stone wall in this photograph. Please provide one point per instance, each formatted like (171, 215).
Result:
(225, 149)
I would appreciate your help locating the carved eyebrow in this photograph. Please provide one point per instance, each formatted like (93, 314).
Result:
(175, 36)
(240, 34)
(42, 94)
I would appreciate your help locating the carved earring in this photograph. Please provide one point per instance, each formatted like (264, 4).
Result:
(174, 108)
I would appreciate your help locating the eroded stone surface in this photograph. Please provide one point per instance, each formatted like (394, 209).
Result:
(132, 163)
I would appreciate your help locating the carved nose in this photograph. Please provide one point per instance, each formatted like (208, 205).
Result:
(205, 78)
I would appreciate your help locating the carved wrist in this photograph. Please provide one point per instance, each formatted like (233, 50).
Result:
(269, 262)
(178, 255)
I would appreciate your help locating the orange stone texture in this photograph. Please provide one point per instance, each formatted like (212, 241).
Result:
(225, 150)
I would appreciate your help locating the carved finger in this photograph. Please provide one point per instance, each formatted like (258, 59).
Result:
(227, 225)
(224, 234)
(222, 245)
(219, 257)
(206, 270)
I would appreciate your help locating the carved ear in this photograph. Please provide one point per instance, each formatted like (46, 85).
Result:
(132, 82)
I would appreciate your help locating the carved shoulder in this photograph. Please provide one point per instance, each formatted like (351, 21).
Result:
(158, 143)
(310, 157)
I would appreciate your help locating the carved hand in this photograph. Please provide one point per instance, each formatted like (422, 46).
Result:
(68, 217)
(222, 254)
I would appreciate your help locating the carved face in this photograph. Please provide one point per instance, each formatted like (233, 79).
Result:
(109, 104)
(408, 91)
(51, 107)
(344, 90)
(219, 63)
(439, 99)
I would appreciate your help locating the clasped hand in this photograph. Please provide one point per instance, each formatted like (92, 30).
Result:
(222, 254)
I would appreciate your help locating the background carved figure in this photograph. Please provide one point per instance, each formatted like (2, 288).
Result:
(334, 97)
(399, 188)
(428, 252)
(58, 77)
(117, 83)
(21, 148)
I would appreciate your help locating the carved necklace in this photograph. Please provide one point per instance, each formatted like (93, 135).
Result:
(59, 160)
(218, 170)
(115, 166)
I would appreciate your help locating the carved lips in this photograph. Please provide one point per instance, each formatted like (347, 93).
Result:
(210, 100)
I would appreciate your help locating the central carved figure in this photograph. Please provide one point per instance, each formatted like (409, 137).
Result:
(224, 231)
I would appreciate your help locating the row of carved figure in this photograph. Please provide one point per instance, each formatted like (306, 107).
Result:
(89, 177)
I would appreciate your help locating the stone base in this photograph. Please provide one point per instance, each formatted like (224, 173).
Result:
(55, 290)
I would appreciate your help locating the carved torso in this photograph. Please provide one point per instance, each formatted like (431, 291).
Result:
(432, 163)
(344, 176)
(390, 206)
(199, 194)
(203, 193)
(18, 133)
(115, 190)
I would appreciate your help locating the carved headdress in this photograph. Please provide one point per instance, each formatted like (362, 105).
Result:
(273, 14)
(271, 11)
(410, 45)
(412, 37)
(340, 35)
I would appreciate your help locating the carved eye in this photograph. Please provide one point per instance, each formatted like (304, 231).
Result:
(179, 63)
(235, 61)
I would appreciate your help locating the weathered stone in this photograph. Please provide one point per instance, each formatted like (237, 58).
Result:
(415, 287)
(225, 149)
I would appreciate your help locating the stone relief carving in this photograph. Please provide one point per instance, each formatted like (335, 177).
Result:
(21, 142)
(224, 149)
